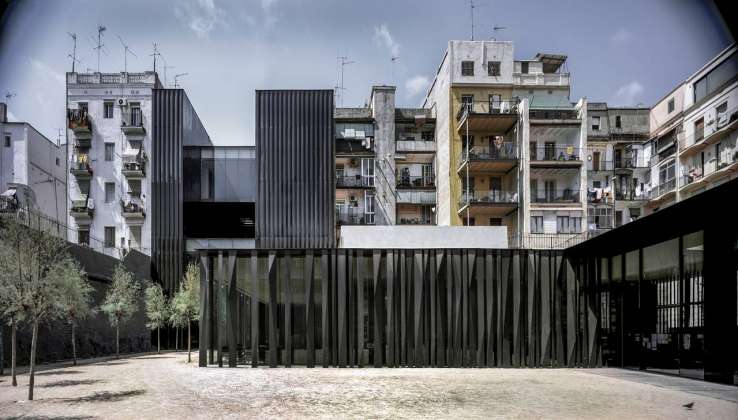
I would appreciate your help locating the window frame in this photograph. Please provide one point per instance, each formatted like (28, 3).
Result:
(112, 192)
(109, 146)
(8, 140)
(105, 109)
(493, 68)
(596, 127)
(670, 105)
(109, 237)
(469, 70)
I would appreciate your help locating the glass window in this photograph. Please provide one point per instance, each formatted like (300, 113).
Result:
(109, 236)
(493, 68)
(109, 192)
(109, 151)
(524, 67)
(670, 106)
(107, 110)
(83, 237)
(7, 140)
(595, 123)
(467, 68)
(536, 224)
(618, 122)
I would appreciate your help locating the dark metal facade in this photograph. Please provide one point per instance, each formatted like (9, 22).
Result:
(395, 308)
(295, 166)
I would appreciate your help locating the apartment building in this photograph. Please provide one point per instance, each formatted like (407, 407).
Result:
(509, 141)
(385, 163)
(693, 133)
(32, 173)
(618, 164)
(109, 146)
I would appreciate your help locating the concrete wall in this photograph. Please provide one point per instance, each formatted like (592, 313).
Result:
(480, 52)
(383, 112)
(439, 101)
(425, 237)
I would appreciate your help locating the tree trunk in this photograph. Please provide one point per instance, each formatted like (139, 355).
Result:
(117, 342)
(74, 348)
(189, 342)
(32, 370)
(13, 346)
(158, 340)
(176, 338)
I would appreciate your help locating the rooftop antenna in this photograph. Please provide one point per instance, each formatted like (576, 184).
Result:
(176, 78)
(8, 97)
(495, 29)
(394, 61)
(472, 6)
(344, 62)
(126, 51)
(100, 30)
(73, 55)
(165, 67)
(155, 54)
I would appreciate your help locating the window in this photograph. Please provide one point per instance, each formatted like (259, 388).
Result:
(469, 221)
(467, 142)
(57, 162)
(536, 224)
(495, 221)
(670, 106)
(495, 103)
(716, 78)
(107, 110)
(562, 224)
(7, 140)
(109, 236)
(699, 129)
(109, 192)
(427, 136)
(524, 67)
(533, 146)
(467, 68)
(493, 68)
(134, 241)
(134, 187)
(595, 123)
(468, 101)
(596, 184)
(721, 112)
(617, 121)
(339, 172)
(109, 151)
(83, 237)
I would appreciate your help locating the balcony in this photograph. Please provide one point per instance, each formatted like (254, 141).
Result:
(600, 165)
(713, 171)
(353, 216)
(78, 120)
(132, 122)
(663, 191)
(626, 165)
(415, 146)
(630, 194)
(133, 211)
(490, 158)
(419, 221)
(416, 197)
(541, 79)
(354, 147)
(354, 182)
(492, 117)
(134, 166)
(554, 116)
(493, 202)
(556, 157)
(566, 196)
(724, 124)
(416, 182)
(80, 167)
(82, 210)
(83, 143)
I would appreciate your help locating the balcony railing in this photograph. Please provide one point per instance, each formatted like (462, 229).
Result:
(407, 181)
(501, 107)
(488, 197)
(556, 153)
(506, 151)
(549, 240)
(630, 194)
(421, 146)
(553, 114)
(82, 209)
(541, 79)
(78, 120)
(416, 197)
(134, 165)
(132, 121)
(415, 221)
(663, 188)
(354, 181)
(565, 196)
(353, 216)
(133, 209)
(80, 166)
(600, 165)
(632, 163)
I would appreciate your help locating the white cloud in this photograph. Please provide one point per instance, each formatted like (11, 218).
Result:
(628, 94)
(266, 4)
(621, 35)
(200, 16)
(416, 85)
(383, 37)
(46, 71)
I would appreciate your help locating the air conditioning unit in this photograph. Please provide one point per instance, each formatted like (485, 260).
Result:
(122, 102)
(353, 162)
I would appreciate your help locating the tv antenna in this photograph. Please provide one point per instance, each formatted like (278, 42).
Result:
(73, 55)
(100, 30)
(155, 54)
(472, 6)
(176, 78)
(394, 61)
(126, 51)
(8, 97)
(344, 60)
(496, 29)
(165, 67)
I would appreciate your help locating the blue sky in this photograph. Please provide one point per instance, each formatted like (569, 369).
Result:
(624, 52)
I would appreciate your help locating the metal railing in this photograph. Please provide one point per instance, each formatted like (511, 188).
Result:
(416, 197)
(547, 240)
(134, 162)
(132, 118)
(501, 107)
(78, 120)
(555, 153)
(541, 79)
(709, 128)
(407, 181)
(415, 221)
(630, 194)
(353, 216)
(354, 181)
(79, 164)
(632, 163)
(553, 114)
(132, 206)
(488, 197)
(415, 146)
(569, 195)
(82, 206)
(600, 165)
(506, 151)
(662, 188)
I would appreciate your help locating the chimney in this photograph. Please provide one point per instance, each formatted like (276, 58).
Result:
(3, 112)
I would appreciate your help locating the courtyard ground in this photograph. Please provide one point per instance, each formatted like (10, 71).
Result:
(164, 386)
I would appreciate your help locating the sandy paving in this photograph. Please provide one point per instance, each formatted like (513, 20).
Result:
(163, 386)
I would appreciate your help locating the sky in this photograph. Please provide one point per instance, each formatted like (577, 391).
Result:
(625, 52)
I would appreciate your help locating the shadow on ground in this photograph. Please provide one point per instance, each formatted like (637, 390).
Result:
(104, 396)
(69, 382)
(156, 357)
(37, 417)
(58, 372)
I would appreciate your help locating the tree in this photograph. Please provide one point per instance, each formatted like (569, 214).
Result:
(11, 282)
(43, 264)
(121, 301)
(157, 310)
(75, 300)
(186, 302)
(177, 319)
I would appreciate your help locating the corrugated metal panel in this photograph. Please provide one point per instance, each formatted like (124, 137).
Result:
(295, 166)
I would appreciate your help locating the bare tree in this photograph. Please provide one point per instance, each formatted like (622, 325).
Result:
(186, 303)
(157, 311)
(121, 301)
(75, 300)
